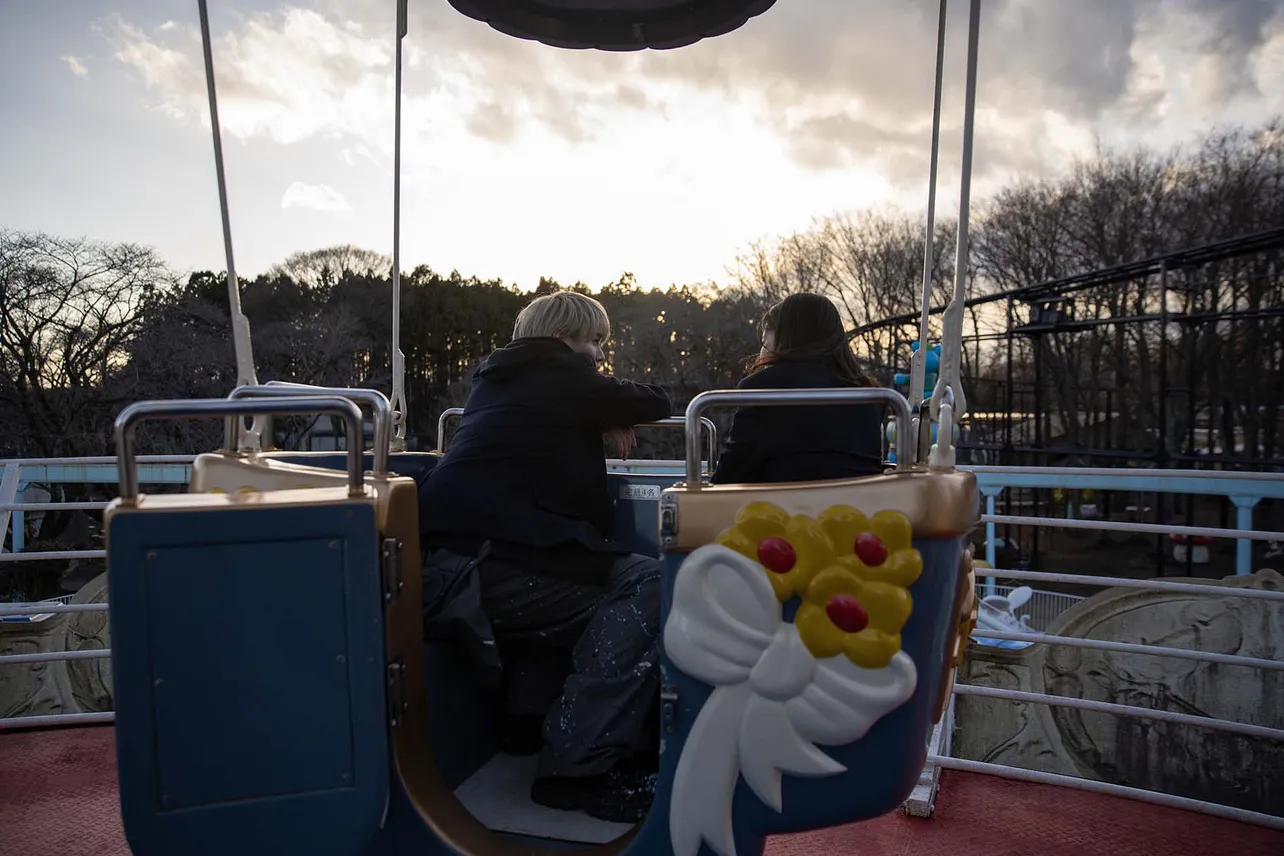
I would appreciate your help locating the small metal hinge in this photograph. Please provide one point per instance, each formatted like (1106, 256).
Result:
(668, 519)
(396, 692)
(669, 708)
(390, 563)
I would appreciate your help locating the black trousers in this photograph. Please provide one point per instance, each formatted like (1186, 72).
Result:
(612, 632)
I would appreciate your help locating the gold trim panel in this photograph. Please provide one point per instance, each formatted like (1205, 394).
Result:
(938, 504)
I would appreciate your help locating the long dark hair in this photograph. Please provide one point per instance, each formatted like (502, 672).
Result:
(809, 329)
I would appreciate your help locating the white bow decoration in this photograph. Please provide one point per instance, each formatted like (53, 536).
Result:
(772, 700)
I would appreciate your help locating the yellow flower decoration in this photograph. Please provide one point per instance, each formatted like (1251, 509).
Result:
(852, 573)
(897, 562)
(843, 614)
(794, 549)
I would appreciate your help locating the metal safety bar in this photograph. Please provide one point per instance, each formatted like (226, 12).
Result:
(710, 434)
(782, 397)
(331, 405)
(441, 425)
(377, 401)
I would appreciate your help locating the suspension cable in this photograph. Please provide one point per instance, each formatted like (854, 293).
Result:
(948, 400)
(242, 344)
(918, 360)
(398, 358)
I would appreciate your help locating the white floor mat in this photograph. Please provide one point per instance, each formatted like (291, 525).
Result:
(499, 795)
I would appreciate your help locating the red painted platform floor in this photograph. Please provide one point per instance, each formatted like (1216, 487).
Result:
(58, 798)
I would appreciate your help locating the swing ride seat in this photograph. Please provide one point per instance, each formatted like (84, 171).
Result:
(248, 653)
(272, 642)
(798, 616)
(619, 26)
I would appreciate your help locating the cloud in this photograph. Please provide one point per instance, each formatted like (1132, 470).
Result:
(301, 73)
(289, 77)
(75, 66)
(851, 82)
(840, 84)
(318, 197)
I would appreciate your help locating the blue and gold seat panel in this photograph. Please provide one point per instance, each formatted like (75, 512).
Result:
(248, 663)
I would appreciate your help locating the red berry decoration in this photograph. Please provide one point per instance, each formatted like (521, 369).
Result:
(847, 613)
(777, 555)
(870, 549)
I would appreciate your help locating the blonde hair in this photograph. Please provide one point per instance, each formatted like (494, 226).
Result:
(566, 314)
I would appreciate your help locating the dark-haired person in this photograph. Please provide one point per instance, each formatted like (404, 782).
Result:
(522, 492)
(804, 346)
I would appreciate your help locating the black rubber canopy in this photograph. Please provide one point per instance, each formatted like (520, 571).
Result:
(616, 25)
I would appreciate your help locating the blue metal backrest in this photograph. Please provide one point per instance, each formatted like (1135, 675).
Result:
(247, 651)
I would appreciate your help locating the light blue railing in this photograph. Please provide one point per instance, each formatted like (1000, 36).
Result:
(19, 474)
(1243, 489)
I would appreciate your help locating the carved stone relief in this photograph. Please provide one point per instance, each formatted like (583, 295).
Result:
(77, 686)
(1186, 760)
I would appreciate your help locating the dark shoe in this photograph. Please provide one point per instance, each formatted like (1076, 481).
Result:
(618, 795)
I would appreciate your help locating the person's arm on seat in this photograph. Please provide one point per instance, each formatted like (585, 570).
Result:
(615, 403)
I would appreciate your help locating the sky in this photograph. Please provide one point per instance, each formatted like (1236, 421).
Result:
(521, 160)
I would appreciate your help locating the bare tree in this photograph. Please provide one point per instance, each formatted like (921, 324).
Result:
(321, 270)
(70, 309)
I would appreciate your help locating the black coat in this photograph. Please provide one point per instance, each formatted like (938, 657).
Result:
(804, 442)
(526, 470)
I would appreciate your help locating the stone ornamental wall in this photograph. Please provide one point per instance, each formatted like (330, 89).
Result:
(1178, 759)
(75, 686)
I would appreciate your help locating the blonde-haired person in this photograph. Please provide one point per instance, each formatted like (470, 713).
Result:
(522, 493)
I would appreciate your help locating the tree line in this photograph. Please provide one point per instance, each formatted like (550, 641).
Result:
(89, 326)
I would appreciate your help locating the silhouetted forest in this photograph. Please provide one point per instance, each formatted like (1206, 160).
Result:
(90, 326)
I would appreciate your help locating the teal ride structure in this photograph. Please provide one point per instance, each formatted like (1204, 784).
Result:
(931, 374)
(277, 693)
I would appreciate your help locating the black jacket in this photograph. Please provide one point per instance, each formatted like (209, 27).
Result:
(803, 443)
(526, 470)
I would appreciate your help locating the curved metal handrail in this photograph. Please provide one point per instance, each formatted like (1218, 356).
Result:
(380, 408)
(780, 397)
(710, 433)
(223, 408)
(441, 425)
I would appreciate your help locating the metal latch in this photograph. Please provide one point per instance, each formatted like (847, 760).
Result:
(668, 519)
(669, 708)
(390, 563)
(396, 692)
